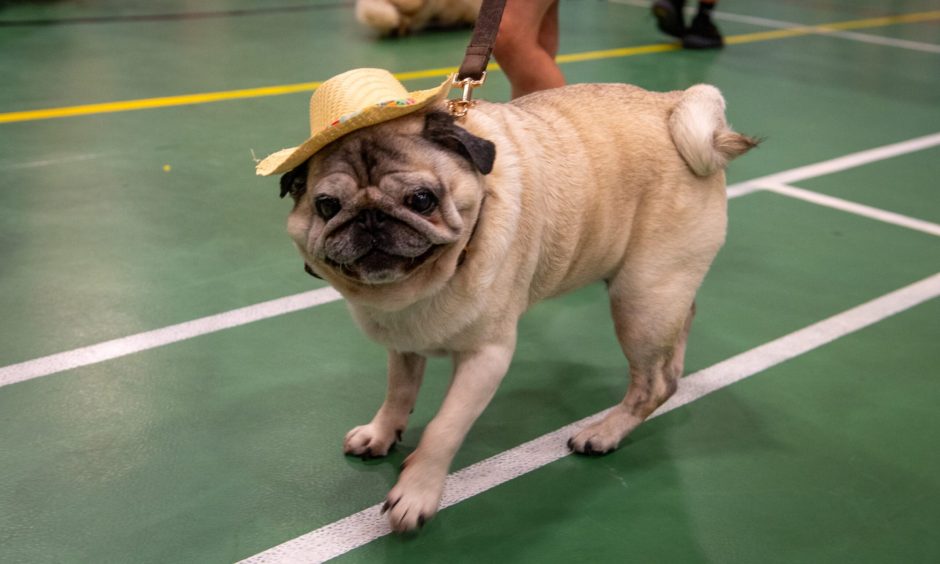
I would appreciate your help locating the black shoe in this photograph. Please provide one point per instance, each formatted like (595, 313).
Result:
(669, 17)
(702, 34)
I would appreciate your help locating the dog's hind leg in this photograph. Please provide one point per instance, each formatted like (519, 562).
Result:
(405, 373)
(652, 323)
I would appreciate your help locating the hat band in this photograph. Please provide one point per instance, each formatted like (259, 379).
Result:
(383, 104)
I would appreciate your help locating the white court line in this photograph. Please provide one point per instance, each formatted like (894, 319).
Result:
(100, 352)
(853, 207)
(151, 339)
(853, 35)
(888, 41)
(838, 164)
(780, 24)
(367, 525)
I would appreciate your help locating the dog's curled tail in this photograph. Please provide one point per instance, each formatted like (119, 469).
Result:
(702, 135)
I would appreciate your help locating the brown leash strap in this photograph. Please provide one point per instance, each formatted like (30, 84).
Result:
(482, 41)
(472, 71)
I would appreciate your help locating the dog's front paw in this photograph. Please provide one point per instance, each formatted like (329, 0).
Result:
(415, 498)
(590, 444)
(371, 441)
(597, 439)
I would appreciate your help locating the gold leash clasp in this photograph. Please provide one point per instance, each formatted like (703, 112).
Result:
(459, 108)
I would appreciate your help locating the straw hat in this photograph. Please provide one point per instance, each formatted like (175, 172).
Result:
(347, 102)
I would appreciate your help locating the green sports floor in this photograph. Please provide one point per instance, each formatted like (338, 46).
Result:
(174, 388)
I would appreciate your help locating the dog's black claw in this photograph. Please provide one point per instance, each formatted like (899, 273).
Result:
(421, 521)
(589, 450)
(398, 434)
(367, 455)
(389, 504)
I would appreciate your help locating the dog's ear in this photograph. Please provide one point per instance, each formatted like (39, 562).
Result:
(295, 182)
(439, 127)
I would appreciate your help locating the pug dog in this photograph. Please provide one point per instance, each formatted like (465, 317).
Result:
(441, 232)
(403, 17)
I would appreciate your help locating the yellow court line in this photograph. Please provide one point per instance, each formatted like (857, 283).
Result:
(207, 97)
(146, 103)
(829, 28)
(614, 53)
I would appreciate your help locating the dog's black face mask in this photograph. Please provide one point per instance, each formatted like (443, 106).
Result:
(295, 184)
(377, 211)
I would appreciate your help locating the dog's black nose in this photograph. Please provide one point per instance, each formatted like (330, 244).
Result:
(371, 219)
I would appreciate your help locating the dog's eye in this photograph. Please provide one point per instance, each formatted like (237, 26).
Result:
(327, 207)
(423, 201)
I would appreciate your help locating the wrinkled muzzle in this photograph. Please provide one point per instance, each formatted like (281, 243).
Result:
(374, 247)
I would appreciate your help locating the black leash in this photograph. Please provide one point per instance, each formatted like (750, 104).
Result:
(472, 71)
(481, 44)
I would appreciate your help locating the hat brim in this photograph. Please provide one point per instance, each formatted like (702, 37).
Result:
(288, 159)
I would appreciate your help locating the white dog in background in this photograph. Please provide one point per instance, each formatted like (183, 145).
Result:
(391, 17)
